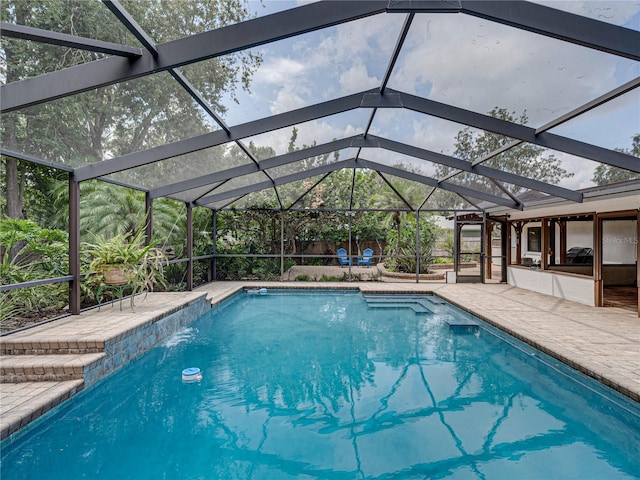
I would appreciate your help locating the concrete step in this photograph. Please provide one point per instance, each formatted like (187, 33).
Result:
(49, 346)
(47, 368)
(435, 300)
(21, 403)
(418, 304)
(426, 298)
(416, 307)
(461, 321)
(392, 296)
(458, 324)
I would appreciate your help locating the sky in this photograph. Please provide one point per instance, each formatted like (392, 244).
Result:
(451, 58)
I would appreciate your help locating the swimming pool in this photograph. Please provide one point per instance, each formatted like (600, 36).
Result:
(337, 385)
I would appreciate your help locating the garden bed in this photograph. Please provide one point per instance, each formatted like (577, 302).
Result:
(410, 276)
(31, 320)
(449, 266)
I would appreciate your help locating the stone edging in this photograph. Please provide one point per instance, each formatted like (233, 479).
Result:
(422, 276)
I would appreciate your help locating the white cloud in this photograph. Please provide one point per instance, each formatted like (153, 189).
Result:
(478, 65)
(435, 135)
(350, 130)
(357, 78)
(318, 131)
(615, 12)
(582, 170)
(456, 59)
(372, 36)
(279, 70)
(332, 62)
(286, 99)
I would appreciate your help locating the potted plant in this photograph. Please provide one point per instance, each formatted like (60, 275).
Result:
(125, 260)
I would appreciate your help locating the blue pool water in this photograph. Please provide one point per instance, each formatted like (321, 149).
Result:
(325, 385)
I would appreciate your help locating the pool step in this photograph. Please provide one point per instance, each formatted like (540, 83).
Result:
(416, 307)
(48, 368)
(24, 402)
(428, 298)
(461, 322)
(50, 346)
(436, 300)
(419, 304)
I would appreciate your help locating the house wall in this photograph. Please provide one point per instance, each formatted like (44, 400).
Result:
(619, 275)
(619, 262)
(612, 275)
(579, 234)
(527, 255)
(571, 287)
(619, 240)
(573, 282)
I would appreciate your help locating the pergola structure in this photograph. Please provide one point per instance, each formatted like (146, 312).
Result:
(378, 115)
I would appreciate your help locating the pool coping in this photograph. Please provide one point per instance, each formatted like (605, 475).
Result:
(479, 300)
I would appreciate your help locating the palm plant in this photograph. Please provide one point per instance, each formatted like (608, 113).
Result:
(107, 209)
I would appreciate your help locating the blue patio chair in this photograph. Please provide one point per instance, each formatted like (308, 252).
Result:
(365, 259)
(343, 258)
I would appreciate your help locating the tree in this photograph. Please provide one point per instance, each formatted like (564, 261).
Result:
(526, 160)
(606, 174)
(35, 187)
(405, 245)
(121, 118)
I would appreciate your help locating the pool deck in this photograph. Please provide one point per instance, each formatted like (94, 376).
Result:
(604, 343)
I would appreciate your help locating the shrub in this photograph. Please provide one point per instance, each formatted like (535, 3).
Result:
(29, 252)
(332, 278)
(406, 246)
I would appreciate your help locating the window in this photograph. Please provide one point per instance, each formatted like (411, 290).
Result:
(534, 239)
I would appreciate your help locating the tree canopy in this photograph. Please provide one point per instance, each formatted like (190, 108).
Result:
(122, 118)
(524, 159)
(606, 174)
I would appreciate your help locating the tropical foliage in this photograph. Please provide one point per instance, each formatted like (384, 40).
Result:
(404, 246)
(29, 252)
